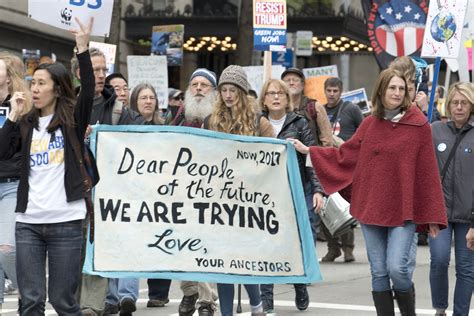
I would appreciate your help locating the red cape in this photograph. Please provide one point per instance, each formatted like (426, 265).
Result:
(392, 168)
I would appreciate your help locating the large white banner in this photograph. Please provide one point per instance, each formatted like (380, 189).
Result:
(152, 70)
(192, 204)
(61, 13)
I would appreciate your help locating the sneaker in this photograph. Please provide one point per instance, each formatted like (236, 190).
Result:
(205, 310)
(111, 309)
(158, 302)
(127, 306)
(188, 305)
(331, 255)
(267, 304)
(301, 297)
(9, 288)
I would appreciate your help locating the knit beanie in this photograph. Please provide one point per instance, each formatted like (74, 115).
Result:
(235, 75)
(203, 72)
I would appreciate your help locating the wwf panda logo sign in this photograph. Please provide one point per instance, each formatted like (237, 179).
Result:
(63, 13)
(66, 16)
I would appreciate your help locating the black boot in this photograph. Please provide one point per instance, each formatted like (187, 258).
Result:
(383, 303)
(406, 302)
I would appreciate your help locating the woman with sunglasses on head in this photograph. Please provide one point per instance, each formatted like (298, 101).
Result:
(50, 203)
(454, 145)
(276, 104)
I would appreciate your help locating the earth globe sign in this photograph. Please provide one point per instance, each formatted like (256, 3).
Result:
(443, 27)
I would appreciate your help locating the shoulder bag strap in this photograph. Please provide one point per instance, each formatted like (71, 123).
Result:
(451, 155)
(337, 116)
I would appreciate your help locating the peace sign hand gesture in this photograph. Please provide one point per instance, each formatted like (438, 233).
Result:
(82, 35)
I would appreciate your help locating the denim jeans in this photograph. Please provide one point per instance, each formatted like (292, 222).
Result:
(7, 234)
(158, 289)
(314, 219)
(60, 246)
(226, 297)
(388, 251)
(440, 248)
(122, 288)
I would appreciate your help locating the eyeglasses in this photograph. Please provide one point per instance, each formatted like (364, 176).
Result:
(274, 94)
(202, 84)
(118, 89)
(290, 80)
(179, 98)
(99, 70)
(463, 103)
(144, 98)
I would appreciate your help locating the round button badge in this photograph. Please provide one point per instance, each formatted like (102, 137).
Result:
(442, 147)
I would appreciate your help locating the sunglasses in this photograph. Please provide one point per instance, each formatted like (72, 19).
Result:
(179, 98)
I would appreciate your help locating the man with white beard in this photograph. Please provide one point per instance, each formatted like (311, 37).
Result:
(198, 100)
(198, 103)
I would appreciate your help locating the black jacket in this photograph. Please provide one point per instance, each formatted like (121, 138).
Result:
(16, 138)
(10, 168)
(102, 113)
(296, 126)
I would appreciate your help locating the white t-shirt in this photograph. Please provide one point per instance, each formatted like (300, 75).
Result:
(47, 202)
(277, 124)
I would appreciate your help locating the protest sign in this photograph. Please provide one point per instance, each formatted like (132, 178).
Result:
(150, 69)
(61, 13)
(109, 50)
(444, 25)
(255, 75)
(315, 78)
(304, 43)
(4, 111)
(269, 25)
(191, 204)
(284, 59)
(167, 40)
(357, 97)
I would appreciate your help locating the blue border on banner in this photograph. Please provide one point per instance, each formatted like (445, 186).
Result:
(312, 272)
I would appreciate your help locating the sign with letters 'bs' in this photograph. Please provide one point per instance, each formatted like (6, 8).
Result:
(269, 25)
(61, 13)
(191, 204)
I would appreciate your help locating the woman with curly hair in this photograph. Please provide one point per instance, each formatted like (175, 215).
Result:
(235, 112)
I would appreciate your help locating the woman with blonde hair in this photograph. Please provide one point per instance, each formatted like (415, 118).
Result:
(276, 104)
(391, 164)
(10, 81)
(235, 112)
(453, 143)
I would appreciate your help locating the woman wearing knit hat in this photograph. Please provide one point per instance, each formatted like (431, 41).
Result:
(235, 112)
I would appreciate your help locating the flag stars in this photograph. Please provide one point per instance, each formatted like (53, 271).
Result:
(398, 16)
(417, 16)
(407, 9)
(389, 10)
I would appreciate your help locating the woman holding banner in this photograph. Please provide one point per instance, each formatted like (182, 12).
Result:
(235, 112)
(394, 189)
(276, 105)
(453, 141)
(50, 202)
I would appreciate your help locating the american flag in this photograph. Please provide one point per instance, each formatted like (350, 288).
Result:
(395, 28)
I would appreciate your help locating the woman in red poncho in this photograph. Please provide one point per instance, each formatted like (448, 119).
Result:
(391, 164)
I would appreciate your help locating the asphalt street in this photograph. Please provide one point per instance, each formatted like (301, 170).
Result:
(345, 290)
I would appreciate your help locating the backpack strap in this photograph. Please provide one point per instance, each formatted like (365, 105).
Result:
(311, 109)
(86, 179)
